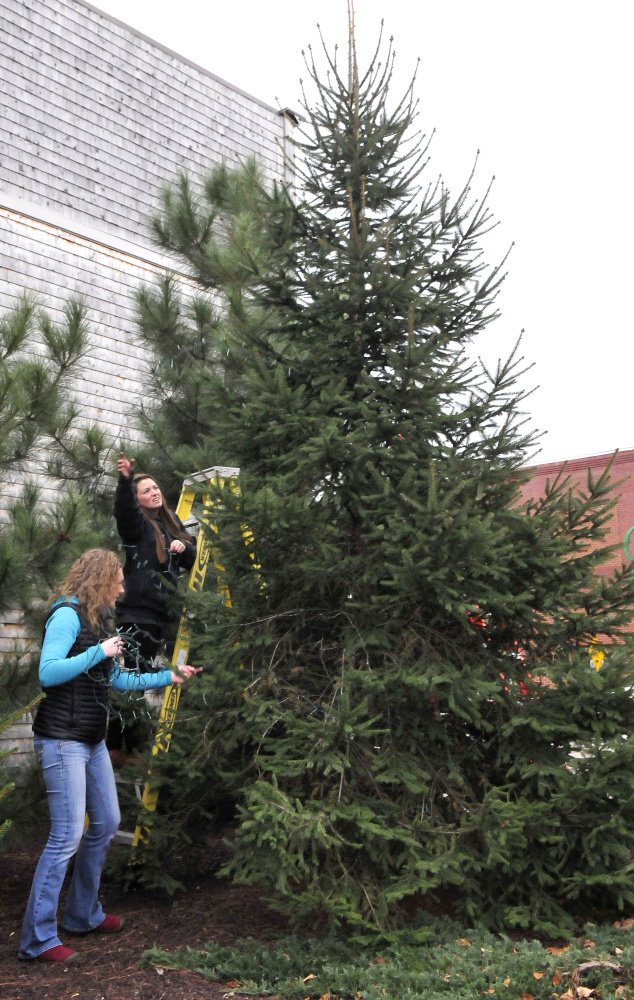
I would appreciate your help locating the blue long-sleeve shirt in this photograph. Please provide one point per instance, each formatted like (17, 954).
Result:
(56, 667)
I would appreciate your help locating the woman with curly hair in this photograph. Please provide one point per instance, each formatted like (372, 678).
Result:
(77, 667)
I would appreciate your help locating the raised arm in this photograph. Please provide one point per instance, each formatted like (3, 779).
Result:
(126, 506)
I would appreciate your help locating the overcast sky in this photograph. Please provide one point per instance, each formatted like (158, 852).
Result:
(544, 90)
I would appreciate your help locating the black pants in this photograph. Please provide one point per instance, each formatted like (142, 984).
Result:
(142, 643)
(129, 726)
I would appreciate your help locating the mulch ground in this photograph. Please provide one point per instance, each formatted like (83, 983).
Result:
(211, 910)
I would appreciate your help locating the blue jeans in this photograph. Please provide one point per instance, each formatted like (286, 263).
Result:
(79, 780)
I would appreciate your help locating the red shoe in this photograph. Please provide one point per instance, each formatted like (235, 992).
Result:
(111, 924)
(60, 953)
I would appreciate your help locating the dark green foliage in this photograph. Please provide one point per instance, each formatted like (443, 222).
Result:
(7, 720)
(43, 445)
(368, 716)
(35, 416)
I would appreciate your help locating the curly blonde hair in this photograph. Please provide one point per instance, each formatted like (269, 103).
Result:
(90, 580)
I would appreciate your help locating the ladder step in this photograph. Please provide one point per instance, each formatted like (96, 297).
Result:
(123, 837)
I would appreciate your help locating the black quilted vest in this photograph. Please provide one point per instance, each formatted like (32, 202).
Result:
(78, 709)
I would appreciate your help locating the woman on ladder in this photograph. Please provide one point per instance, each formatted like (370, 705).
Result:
(157, 547)
(77, 668)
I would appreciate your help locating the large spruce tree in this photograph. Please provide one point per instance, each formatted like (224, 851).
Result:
(368, 720)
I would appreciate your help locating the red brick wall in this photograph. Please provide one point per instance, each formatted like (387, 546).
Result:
(577, 469)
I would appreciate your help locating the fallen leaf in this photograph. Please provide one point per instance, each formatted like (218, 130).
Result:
(326, 996)
(526, 996)
(507, 982)
(233, 983)
(311, 975)
(568, 995)
(486, 949)
(447, 977)
(464, 943)
(557, 951)
(587, 944)
(625, 924)
(159, 970)
(556, 978)
(538, 975)
(619, 951)
(585, 991)
(619, 991)
(380, 961)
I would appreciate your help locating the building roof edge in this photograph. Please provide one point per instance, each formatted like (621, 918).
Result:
(588, 461)
(175, 55)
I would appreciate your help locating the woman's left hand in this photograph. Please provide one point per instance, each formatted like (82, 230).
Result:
(177, 546)
(184, 672)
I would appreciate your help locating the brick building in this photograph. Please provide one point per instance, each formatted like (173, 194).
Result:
(622, 476)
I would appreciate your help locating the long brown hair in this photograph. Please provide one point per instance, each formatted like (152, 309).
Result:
(90, 580)
(166, 517)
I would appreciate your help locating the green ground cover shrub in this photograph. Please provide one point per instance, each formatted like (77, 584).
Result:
(447, 962)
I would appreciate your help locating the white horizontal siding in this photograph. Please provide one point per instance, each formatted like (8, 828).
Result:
(19, 739)
(96, 119)
(55, 265)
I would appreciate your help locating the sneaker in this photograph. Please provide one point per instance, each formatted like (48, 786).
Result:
(60, 953)
(110, 924)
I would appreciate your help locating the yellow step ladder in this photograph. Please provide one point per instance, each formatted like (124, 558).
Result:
(196, 484)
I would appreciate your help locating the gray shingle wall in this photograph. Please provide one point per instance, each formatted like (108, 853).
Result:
(55, 264)
(95, 118)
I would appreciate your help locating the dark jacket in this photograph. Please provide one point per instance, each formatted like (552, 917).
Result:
(78, 709)
(147, 582)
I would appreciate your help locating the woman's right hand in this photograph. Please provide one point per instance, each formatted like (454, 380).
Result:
(125, 465)
(184, 673)
(112, 646)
